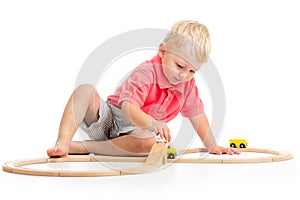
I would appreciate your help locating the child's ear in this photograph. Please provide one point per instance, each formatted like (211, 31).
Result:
(162, 49)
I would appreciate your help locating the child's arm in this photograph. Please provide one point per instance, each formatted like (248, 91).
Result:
(137, 117)
(201, 125)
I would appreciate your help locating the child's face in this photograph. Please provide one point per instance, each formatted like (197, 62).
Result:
(175, 68)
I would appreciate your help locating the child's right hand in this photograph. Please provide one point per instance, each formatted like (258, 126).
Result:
(137, 117)
(160, 128)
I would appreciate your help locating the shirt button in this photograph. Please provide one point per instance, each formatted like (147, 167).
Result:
(167, 99)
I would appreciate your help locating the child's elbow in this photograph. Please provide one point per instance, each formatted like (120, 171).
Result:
(126, 110)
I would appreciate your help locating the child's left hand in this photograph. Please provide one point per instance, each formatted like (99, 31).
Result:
(223, 150)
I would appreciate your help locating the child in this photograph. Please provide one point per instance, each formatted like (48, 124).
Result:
(153, 94)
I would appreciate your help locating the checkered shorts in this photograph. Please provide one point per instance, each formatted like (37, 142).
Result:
(111, 123)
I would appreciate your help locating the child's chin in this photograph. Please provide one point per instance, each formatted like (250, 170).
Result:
(176, 83)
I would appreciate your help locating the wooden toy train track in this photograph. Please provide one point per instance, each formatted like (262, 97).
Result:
(157, 158)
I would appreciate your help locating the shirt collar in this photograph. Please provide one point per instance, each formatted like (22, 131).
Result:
(161, 79)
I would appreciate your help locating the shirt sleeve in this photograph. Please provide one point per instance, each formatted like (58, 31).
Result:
(193, 104)
(136, 87)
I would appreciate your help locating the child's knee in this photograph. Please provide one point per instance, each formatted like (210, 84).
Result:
(87, 91)
(144, 141)
(145, 145)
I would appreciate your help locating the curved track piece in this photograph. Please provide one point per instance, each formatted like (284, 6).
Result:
(156, 159)
(274, 157)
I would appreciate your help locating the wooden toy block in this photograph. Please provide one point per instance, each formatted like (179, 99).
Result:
(157, 157)
(158, 154)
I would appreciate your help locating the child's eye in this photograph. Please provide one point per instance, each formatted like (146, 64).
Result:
(192, 71)
(179, 66)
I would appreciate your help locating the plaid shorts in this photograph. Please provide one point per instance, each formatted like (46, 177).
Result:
(111, 123)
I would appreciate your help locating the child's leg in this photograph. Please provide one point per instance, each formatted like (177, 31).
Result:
(83, 105)
(138, 143)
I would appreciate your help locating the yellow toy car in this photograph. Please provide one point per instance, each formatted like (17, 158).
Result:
(238, 143)
(171, 153)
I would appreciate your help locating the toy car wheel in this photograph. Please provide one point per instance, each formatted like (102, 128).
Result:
(242, 145)
(171, 156)
(232, 145)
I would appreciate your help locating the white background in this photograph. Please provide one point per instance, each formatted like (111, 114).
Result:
(255, 47)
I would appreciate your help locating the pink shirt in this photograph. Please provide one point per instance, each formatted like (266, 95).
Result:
(148, 88)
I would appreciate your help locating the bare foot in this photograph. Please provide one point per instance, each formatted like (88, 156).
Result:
(58, 150)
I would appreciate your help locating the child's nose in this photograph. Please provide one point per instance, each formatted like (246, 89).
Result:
(183, 75)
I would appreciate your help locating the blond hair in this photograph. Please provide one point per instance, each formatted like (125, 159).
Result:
(193, 34)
